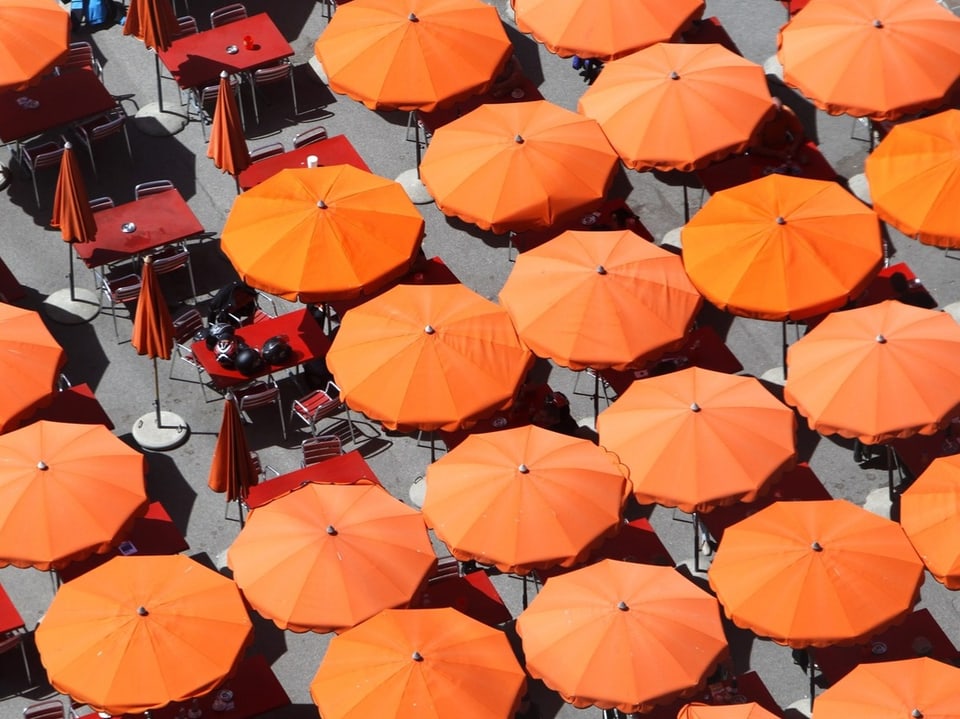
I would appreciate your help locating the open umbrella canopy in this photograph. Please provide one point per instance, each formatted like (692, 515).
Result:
(914, 176)
(152, 21)
(604, 29)
(227, 147)
(518, 166)
(524, 498)
(71, 205)
(599, 299)
(750, 710)
(413, 54)
(322, 234)
(877, 372)
(137, 633)
(872, 58)
(326, 557)
(30, 362)
(34, 35)
(675, 106)
(428, 357)
(698, 439)
(622, 635)
(782, 247)
(411, 663)
(815, 573)
(930, 515)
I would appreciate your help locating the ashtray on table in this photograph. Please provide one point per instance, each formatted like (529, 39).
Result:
(232, 49)
(128, 227)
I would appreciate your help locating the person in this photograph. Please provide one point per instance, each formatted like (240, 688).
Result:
(510, 78)
(781, 136)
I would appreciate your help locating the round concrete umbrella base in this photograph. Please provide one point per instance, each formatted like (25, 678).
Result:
(414, 187)
(774, 375)
(82, 307)
(418, 492)
(151, 120)
(171, 432)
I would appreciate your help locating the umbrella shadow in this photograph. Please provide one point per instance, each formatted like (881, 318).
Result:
(546, 701)
(275, 103)
(295, 711)
(528, 54)
(167, 485)
(13, 678)
(805, 110)
(268, 640)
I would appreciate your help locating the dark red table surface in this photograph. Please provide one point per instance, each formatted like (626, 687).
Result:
(10, 618)
(305, 337)
(76, 404)
(10, 288)
(432, 121)
(918, 452)
(738, 169)
(196, 60)
(349, 468)
(519, 414)
(709, 30)
(472, 594)
(745, 688)
(336, 150)
(63, 99)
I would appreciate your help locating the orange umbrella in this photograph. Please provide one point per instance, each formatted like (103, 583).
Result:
(930, 515)
(232, 469)
(815, 573)
(428, 357)
(877, 372)
(71, 207)
(750, 710)
(698, 439)
(66, 491)
(914, 176)
(419, 662)
(328, 556)
(137, 633)
(677, 106)
(919, 688)
(599, 299)
(872, 58)
(518, 166)
(30, 362)
(34, 35)
(361, 229)
(525, 498)
(154, 22)
(623, 635)
(604, 29)
(227, 147)
(413, 54)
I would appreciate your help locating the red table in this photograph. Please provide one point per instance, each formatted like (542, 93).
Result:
(76, 404)
(10, 288)
(63, 99)
(917, 453)
(738, 169)
(349, 468)
(744, 688)
(431, 121)
(472, 594)
(306, 338)
(601, 219)
(336, 150)
(882, 289)
(196, 60)
(709, 30)
(10, 619)
(521, 413)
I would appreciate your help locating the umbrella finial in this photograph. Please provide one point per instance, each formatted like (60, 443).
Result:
(881, 340)
(224, 73)
(694, 407)
(816, 547)
(142, 611)
(429, 330)
(148, 259)
(331, 530)
(518, 138)
(320, 203)
(42, 466)
(601, 270)
(622, 606)
(674, 75)
(878, 24)
(781, 220)
(417, 656)
(412, 17)
(67, 145)
(523, 469)
(916, 714)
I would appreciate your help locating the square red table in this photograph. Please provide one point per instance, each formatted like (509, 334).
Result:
(739, 169)
(349, 468)
(336, 150)
(472, 594)
(10, 619)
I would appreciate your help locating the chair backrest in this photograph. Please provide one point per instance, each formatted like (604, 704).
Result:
(46, 155)
(48, 709)
(261, 153)
(171, 258)
(447, 567)
(10, 642)
(186, 25)
(101, 203)
(79, 57)
(227, 14)
(107, 124)
(258, 394)
(186, 325)
(123, 289)
(314, 134)
(151, 188)
(208, 94)
(273, 73)
(316, 449)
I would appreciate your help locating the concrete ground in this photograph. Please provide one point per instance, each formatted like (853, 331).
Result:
(123, 383)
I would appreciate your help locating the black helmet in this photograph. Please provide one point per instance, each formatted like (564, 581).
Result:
(202, 335)
(247, 361)
(226, 352)
(275, 350)
(219, 331)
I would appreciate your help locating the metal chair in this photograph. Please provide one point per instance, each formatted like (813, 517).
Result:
(263, 472)
(173, 258)
(119, 290)
(47, 709)
(318, 404)
(12, 640)
(37, 157)
(270, 76)
(151, 188)
(314, 134)
(259, 394)
(101, 203)
(318, 449)
(227, 14)
(259, 314)
(110, 123)
(185, 328)
(201, 98)
(271, 150)
(80, 57)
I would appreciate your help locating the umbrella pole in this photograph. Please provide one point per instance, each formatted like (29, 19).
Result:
(890, 462)
(811, 669)
(416, 128)
(696, 542)
(596, 397)
(156, 390)
(686, 205)
(240, 510)
(784, 333)
(156, 57)
(73, 297)
(236, 179)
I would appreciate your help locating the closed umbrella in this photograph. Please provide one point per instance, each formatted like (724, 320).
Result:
(227, 146)
(34, 35)
(930, 515)
(232, 469)
(154, 22)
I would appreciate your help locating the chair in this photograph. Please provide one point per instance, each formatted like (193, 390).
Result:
(314, 134)
(186, 25)
(101, 203)
(259, 314)
(227, 14)
(317, 449)
(271, 150)
(110, 123)
(47, 709)
(202, 97)
(118, 290)
(318, 404)
(270, 76)
(37, 157)
(12, 640)
(80, 57)
(263, 472)
(151, 188)
(173, 258)
(447, 568)
(185, 328)
(259, 394)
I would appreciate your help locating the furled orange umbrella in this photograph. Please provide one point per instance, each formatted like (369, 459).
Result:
(930, 515)
(428, 357)
(34, 35)
(525, 498)
(408, 663)
(321, 234)
(872, 58)
(674, 106)
(232, 469)
(66, 491)
(749, 710)
(604, 29)
(599, 299)
(71, 207)
(622, 635)
(328, 556)
(518, 166)
(815, 573)
(413, 54)
(137, 633)
(154, 22)
(228, 147)
(30, 362)
(876, 373)
(914, 176)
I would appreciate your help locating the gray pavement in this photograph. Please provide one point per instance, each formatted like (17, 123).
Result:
(123, 383)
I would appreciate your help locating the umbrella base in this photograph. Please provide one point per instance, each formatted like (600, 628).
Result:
(414, 187)
(82, 307)
(774, 375)
(151, 120)
(418, 492)
(878, 502)
(172, 431)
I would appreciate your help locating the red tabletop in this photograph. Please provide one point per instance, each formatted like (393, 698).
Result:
(918, 452)
(10, 618)
(709, 30)
(160, 219)
(196, 60)
(738, 169)
(601, 219)
(524, 92)
(305, 337)
(520, 414)
(918, 636)
(63, 99)
(336, 150)
(472, 594)
(76, 404)
(349, 468)
(740, 690)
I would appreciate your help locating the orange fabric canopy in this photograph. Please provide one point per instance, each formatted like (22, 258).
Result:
(413, 54)
(321, 234)
(600, 299)
(231, 470)
(930, 515)
(914, 176)
(674, 106)
(872, 58)
(152, 21)
(782, 248)
(698, 439)
(329, 556)
(518, 166)
(227, 146)
(623, 635)
(428, 357)
(71, 205)
(750, 710)
(524, 498)
(877, 372)
(140, 632)
(815, 573)
(152, 326)
(34, 35)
